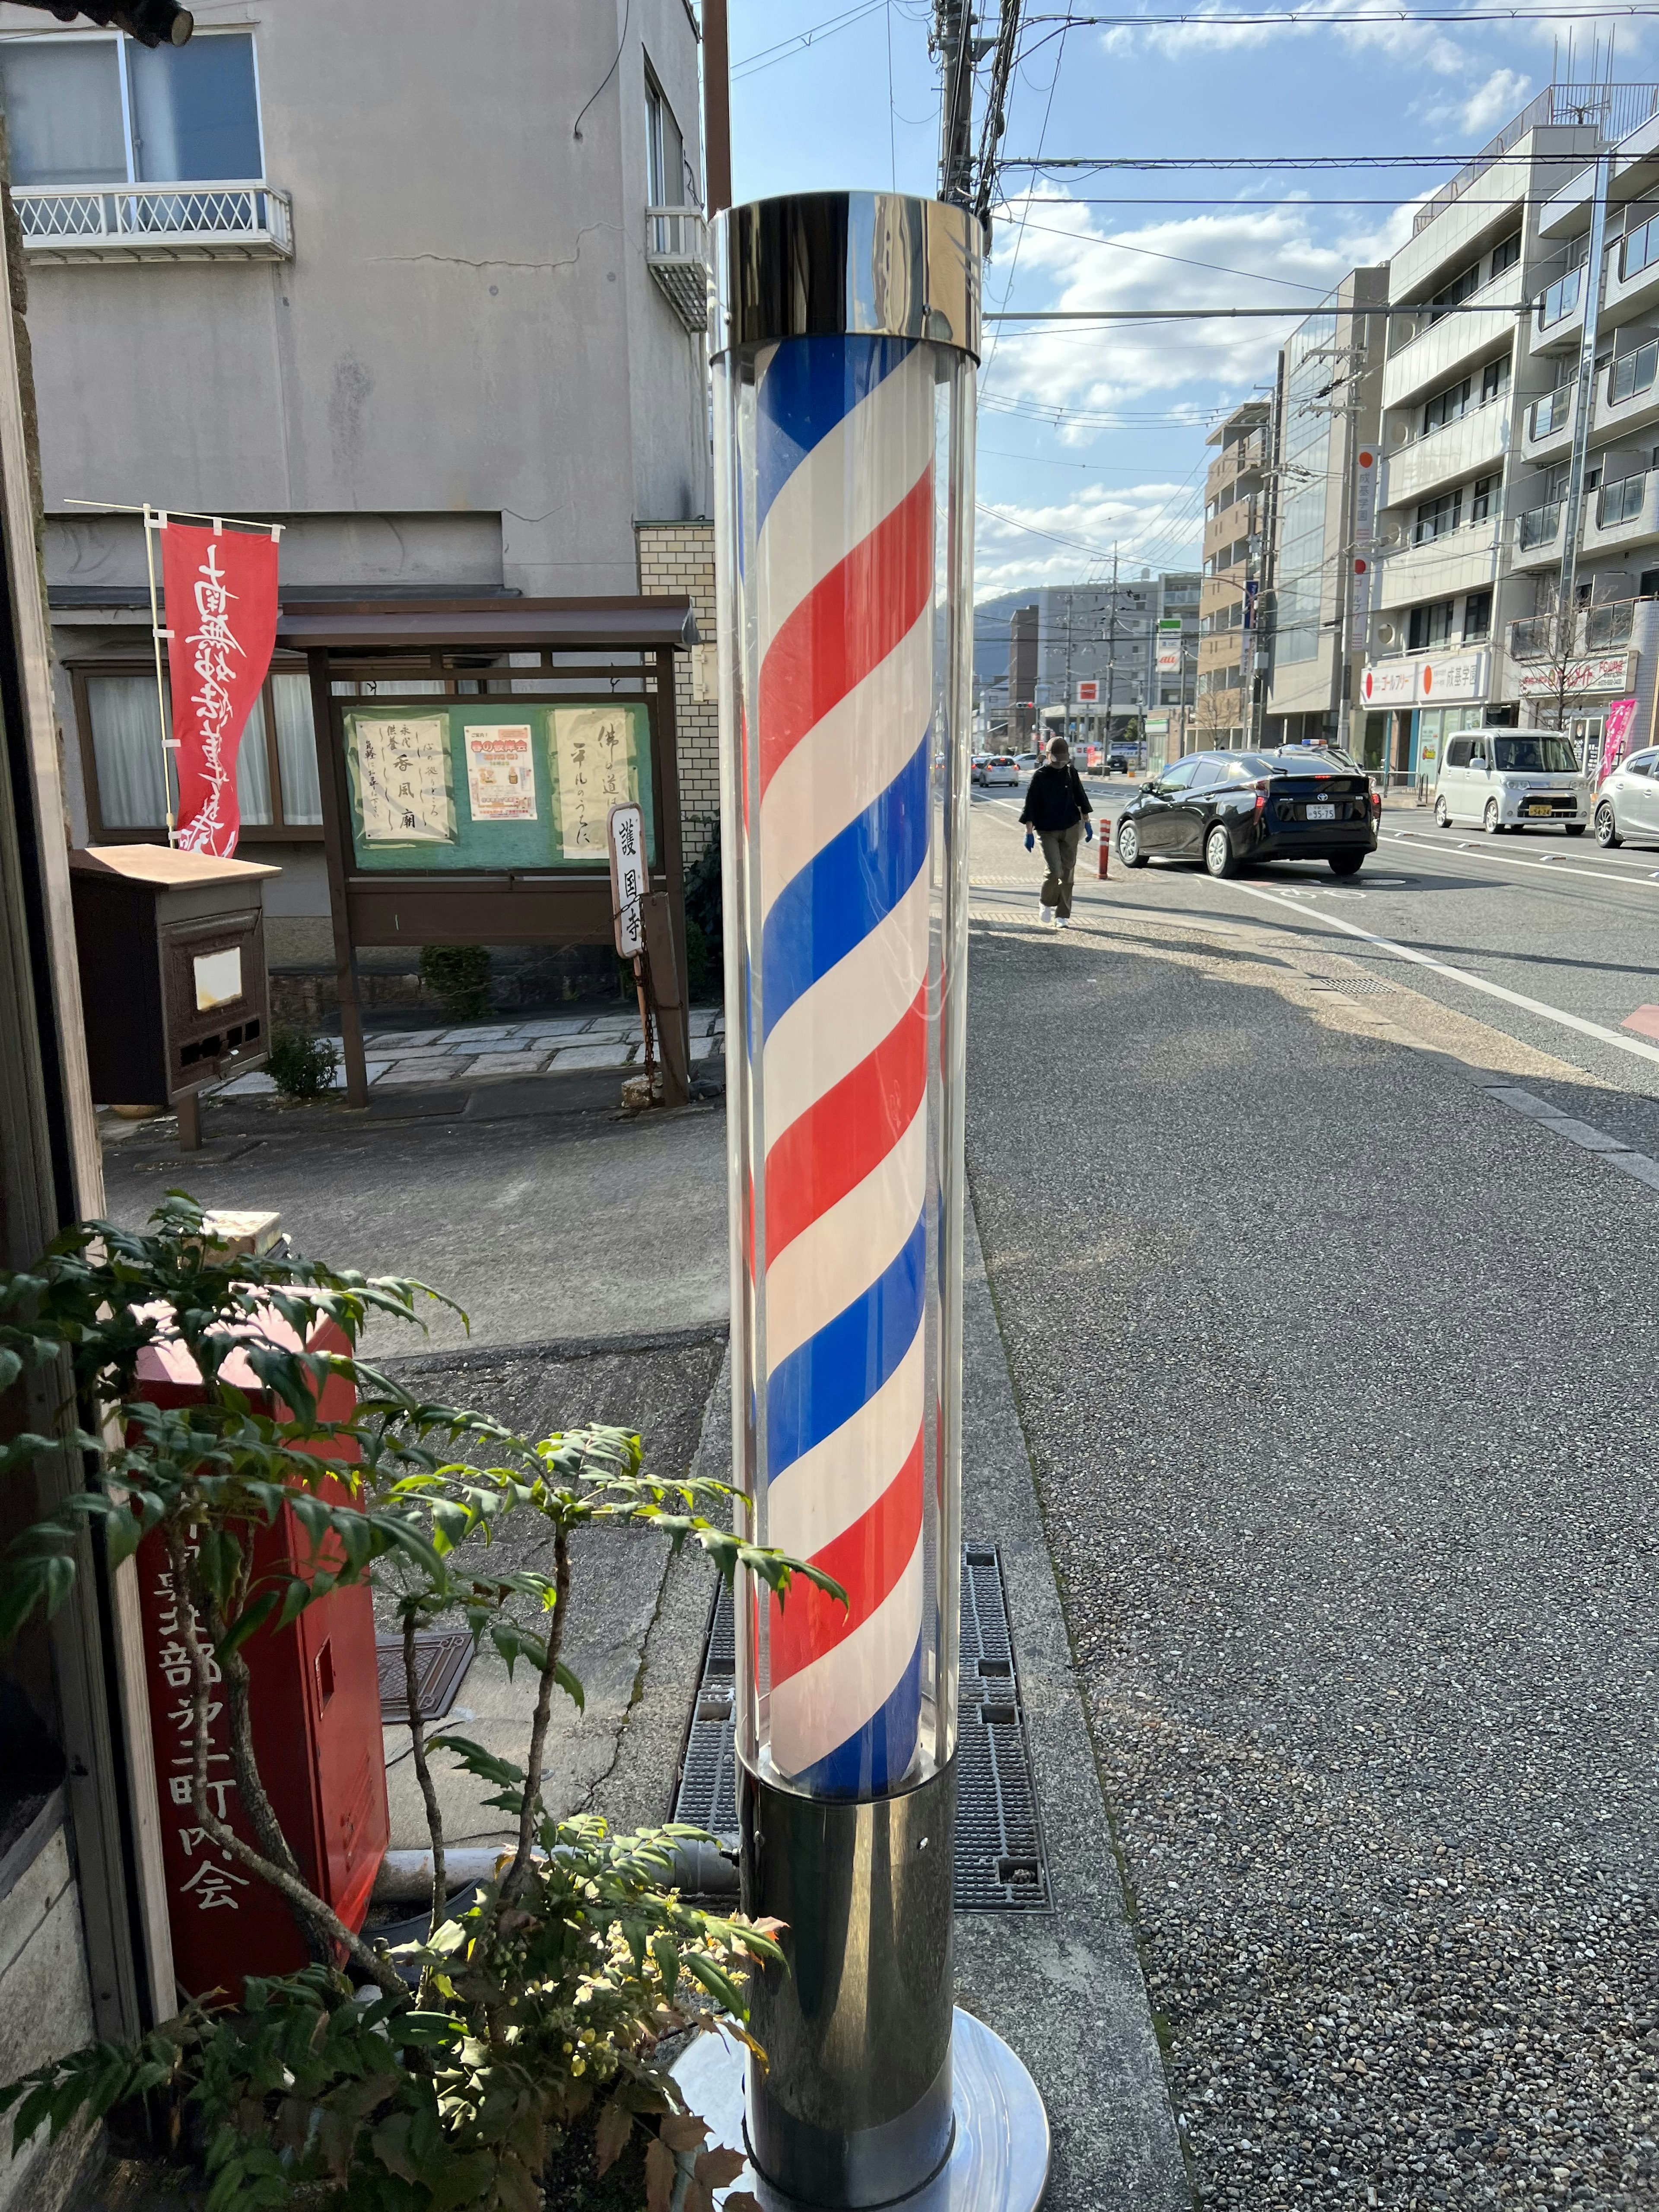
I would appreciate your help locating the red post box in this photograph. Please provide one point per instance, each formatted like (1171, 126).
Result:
(316, 1711)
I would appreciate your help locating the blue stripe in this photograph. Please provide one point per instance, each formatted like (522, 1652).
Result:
(809, 385)
(877, 1757)
(845, 891)
(824, 1382)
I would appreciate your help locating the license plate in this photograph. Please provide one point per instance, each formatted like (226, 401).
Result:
(1541, 810)
(1316, 813)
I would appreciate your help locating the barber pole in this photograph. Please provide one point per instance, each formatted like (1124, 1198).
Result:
(846, 331)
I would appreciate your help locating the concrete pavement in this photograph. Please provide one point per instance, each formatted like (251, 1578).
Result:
(1336, 1362)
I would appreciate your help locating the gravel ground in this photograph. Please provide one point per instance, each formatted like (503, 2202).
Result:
(1340, 1385)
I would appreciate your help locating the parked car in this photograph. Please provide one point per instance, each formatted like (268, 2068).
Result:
(1226, 809)
(1117, 764)
(1027, 764)
(1511, 780)
(995, 768)
(1627, 805)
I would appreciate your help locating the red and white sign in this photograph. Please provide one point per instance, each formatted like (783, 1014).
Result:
(1088, 691)
(1393, 685)
(1616, 673)
(220, 588)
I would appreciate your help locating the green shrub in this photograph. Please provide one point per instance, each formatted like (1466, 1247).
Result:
(696, 959)
(301, 1066)
(703, 906)
(459, 976)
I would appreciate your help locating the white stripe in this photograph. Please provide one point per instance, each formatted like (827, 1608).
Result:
(1458, 976)
(828, 1490)
(843, 489)
(846, 761)
(817, 1710)
(819, 1274)
(835, 1026)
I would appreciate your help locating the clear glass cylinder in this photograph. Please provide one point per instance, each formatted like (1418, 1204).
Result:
(845, 500)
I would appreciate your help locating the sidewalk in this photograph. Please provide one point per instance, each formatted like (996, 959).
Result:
(550, 1044)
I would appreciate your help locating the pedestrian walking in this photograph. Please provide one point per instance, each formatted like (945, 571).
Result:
(1057, 809)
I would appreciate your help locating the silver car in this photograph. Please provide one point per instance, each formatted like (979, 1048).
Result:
(1627, 805)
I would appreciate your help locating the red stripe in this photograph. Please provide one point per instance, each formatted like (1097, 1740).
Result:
(866, 1560)
(841, 1137)
(847, 625)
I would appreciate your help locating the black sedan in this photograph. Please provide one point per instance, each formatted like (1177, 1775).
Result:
(1232, 809)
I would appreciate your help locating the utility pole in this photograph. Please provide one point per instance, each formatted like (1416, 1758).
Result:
(716, 106)
(1583, 406)
(1111, 646)
(955, 33)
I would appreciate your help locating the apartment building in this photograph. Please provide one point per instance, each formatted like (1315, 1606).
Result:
(424, 285)
(1476, 435)
(1235, 523)
(1315, 586)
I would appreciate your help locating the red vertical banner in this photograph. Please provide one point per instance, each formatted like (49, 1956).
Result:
(221, 589)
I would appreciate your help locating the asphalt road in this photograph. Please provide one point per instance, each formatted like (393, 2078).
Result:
(1326, 1281)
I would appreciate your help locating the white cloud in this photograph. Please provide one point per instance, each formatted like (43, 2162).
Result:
(1242, 254)
(1018, 545)
(1503, 94)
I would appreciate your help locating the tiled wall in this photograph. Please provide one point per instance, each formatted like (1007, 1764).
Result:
(679, 557)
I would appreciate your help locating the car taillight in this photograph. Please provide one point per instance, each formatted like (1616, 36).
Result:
(1377, 802)
(1262, 798)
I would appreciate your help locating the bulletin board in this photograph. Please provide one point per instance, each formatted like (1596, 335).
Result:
(470, 785)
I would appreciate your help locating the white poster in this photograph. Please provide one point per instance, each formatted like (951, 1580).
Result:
(500, 772)
(401, 770)
(629, 882)
(594, 749)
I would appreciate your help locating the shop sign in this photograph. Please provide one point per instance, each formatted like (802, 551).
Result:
(1461, 677)
(1393, 685)
(1616, 672)
(1088, 691)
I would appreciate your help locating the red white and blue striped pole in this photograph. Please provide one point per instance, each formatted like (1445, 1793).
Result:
(846, 334)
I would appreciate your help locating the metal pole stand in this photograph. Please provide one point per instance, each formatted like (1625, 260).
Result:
(845, 343)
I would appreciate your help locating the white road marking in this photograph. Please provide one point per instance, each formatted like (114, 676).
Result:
(1456, 975)
(1613, 875)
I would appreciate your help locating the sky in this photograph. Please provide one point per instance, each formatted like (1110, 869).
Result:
(1092, 438)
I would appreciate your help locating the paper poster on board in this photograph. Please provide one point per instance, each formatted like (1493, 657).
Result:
(400, 777)
(594, 749)
(500, 771)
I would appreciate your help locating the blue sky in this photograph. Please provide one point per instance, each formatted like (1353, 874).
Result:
(1089, 436)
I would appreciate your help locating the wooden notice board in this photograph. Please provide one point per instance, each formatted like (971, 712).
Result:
(469, 752)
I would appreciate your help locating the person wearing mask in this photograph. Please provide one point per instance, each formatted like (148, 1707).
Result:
(1057, 809)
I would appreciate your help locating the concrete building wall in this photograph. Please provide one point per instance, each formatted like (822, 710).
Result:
(45, 2009)
(467, 328)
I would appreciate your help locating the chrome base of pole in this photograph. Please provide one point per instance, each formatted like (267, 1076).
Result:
(998, 2156)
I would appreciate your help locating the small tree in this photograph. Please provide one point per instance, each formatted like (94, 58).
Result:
(455, 2085)
(1560, 674)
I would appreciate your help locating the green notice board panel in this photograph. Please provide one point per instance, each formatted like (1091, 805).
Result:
(487, 785)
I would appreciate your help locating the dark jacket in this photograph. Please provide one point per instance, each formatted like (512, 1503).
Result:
(1055, 798)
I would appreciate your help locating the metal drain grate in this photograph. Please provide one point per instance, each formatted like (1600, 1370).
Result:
(1000, 1864)
(1360, 987)
(441, 1659)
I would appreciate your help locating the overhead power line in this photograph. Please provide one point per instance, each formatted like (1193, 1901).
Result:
(1270, 162)
(1205, 314)
(1300, 19)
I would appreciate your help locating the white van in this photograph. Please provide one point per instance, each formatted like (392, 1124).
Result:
(1511, 780)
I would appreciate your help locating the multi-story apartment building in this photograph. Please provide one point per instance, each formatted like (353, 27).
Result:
(401, 286)
(1476, 437)
(1235, 520)
(1049, 643)
(1315, 575)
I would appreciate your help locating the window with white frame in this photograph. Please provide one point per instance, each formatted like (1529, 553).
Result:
(126, 762)
(664, 149)
(91, 109)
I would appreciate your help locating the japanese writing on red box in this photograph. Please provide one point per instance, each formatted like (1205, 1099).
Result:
(215, 1878)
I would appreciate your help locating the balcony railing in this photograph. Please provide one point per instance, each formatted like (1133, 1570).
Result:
(1550, 413)
(1621, 501)
(1634, 374)
(1557, 302)
(156, 223)
(677, 254)
(1539, 524)
(1541, 637)
(1640, 251)
(1607, 627)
